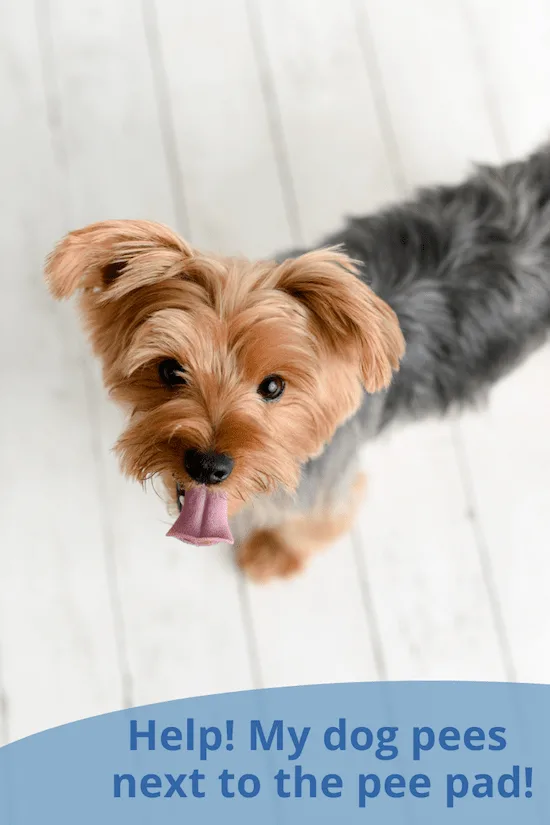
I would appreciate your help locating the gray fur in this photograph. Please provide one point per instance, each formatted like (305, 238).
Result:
(467, 270)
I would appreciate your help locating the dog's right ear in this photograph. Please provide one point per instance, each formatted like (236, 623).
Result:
(115, 257)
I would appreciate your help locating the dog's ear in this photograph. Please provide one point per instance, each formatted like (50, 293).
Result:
(348, 316)
(115, 257)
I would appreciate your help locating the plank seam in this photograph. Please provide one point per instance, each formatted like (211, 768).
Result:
(483, 551)
(381, 104)
(482, 67)
(376, 644)
(166, 120)
(275, 121)
(250, 636)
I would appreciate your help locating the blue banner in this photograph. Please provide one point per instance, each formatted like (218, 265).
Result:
(395, 752)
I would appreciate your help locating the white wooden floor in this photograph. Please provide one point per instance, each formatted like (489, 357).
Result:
(252, 125)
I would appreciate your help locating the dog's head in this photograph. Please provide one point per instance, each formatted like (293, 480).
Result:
(233, 373)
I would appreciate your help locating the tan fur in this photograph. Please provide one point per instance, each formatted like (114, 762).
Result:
(147, 295)
(283, 551)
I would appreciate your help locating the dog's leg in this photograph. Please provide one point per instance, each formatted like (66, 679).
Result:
(283, 551)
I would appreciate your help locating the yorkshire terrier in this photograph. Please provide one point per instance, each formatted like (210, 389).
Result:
(250, 386)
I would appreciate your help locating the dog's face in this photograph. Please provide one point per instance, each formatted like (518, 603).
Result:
(233, 373)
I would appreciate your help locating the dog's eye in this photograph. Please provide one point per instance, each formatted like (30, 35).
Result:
(271, 388)
(171, 373)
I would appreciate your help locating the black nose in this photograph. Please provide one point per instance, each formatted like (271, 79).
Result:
(208, 468)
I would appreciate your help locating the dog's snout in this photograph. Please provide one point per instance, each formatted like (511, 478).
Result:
(208, 468)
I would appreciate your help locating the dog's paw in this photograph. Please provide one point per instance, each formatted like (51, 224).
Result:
(264, 556)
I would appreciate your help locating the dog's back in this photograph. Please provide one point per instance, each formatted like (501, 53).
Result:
(467, 270)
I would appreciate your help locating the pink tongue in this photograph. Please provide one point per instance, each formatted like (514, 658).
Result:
(203, 519)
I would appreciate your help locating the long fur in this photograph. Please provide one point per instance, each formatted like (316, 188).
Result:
(147, 296)
(466, 269)
(460, 275)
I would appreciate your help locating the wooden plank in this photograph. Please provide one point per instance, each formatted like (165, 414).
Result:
(425, 576)
(508, 454)
(180, 606)
(438, 612)
(58, 647)
(314, 629)
(110, 128)
(337, 148)
(512, 43)
(431, 85)
(230, 160)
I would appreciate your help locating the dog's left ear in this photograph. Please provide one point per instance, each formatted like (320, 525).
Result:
(115, 257)
(347, 314)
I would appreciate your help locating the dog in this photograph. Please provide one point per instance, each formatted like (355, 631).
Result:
(250, 386)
